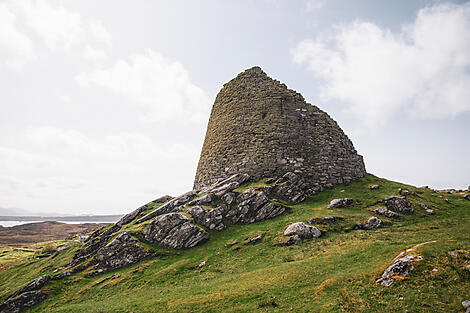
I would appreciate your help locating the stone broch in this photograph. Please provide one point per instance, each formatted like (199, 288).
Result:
(260, 127)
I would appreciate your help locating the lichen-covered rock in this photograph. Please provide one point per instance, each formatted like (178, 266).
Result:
(290, 187)
(340, 203)
(398, 204)
(373, 222)
(96, 240)
(121, 251)
(24, 301)
(386, 212)
(205, 199)
(170, 206)
(302, 230)
(400, 267)
(211, 219)
(228, 198)
(260, 127)
(175, 231)
(34, 285)
(227, 185)
(126, 219)
(253, 207)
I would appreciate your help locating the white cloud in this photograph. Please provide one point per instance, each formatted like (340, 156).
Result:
(15, 47)
(59, 27)
(99, 32)
(65, 170)
(422, 70)
(93, 54)
(161, 86)
(313, 5)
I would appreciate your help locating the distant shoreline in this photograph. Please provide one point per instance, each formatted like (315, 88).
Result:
(80, 218)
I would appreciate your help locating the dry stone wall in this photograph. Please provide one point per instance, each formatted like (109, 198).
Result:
(260, 127)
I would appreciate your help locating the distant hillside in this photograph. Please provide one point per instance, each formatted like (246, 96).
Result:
(39, 232)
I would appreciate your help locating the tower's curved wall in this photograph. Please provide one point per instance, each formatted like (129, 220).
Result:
(259, 127)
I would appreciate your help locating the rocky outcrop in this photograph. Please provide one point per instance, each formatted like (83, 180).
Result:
(170, 206)
(96, 240)
(22, 302)
(386, 212)
(222, 187)
(205, 199)
(400, 267)
(26, 297)
(290, 187)
(253, 207)
(34, 285)
(398, 204)
(175, 231)
(211, 219)
(372, 223)
(340, 203)
(121, 251)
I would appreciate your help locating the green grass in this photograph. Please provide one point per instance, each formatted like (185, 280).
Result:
(335, 273)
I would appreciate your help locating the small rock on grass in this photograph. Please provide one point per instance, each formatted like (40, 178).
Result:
(400, 267)
(466, 305)
(340, 203)
(253, 240)
(374, 187)
(373, 222)
(386, 212)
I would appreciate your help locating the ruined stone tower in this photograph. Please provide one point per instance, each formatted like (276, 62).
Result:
(260, 127)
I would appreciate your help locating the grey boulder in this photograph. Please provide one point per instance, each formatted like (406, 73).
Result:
(398, 204)
(302, 230)
(175, 231)
(386, 212)
(466, 305)
(373, 222)
(400, 267)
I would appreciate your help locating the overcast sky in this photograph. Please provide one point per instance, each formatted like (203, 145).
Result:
(104, 104)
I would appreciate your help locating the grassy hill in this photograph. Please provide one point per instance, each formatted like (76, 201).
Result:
(334, 273)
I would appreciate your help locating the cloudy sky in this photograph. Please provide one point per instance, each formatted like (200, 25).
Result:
(104, 104)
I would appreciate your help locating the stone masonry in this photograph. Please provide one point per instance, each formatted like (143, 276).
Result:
(260, 127)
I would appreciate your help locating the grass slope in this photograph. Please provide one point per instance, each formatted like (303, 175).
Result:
(335, 273)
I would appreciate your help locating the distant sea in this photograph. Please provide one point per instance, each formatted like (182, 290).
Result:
(8, 221)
